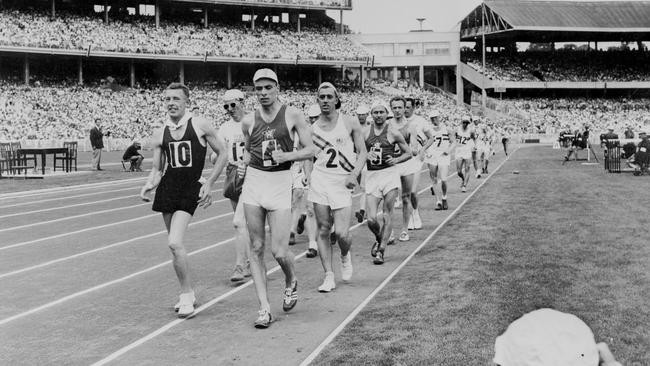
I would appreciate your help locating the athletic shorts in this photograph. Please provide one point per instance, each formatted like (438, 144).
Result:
(380, 182)
(172, 196)
(483, 150)
(329, 190)
(436, 158)
(464, 153)
(269, 190)
(411, 166)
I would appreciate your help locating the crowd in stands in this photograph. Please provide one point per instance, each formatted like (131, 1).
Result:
(139, 35)
(67, 111)
(563, 65)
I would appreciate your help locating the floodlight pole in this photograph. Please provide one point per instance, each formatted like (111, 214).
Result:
(420, 20)
(483, 94)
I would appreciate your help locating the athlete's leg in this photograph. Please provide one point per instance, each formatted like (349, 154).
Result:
(342, 228)
(324, 222)
(255, 220)
(407, 184)
(459, 169)
(466, 172)
(372, 205)
(280, 230)
(297, 204)
(311, 226)
(176, 224)
(433, 174)
(414, 189)
(241, 234)
(387, 225)
(443, 174)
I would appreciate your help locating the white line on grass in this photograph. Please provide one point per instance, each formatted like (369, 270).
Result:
(383, 284)
(81, 215)
(58, 260)
(88, 229)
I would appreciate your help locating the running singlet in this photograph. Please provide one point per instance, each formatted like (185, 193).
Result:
(404, 130)
(231, 132)
(268, 137)
(380, 145)
(464, 138)
(440, 139)
(185, 157)
(483, 139)
(336, 153)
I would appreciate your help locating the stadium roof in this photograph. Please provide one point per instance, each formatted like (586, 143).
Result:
(285, 4)
(549, 21)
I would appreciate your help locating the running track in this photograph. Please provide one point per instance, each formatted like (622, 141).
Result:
(86, 278)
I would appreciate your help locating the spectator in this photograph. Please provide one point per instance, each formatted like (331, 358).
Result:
(97, 143)
(133, 155)
(629, 134)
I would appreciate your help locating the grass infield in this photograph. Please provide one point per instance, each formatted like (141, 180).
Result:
(566, 237)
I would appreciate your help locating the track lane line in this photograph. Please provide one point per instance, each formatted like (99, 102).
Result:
(69, 206)
(38, 202)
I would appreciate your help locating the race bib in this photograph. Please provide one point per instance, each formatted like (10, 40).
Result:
(378, 153)
(268, 147)
(180, 154)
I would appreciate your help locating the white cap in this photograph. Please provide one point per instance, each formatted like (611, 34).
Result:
(465, 118)
(476, 118)
(546, 337)
(265, 74)
(233, 94)
(379, 103)
(313, 111)
(363, 109)
(434, 113)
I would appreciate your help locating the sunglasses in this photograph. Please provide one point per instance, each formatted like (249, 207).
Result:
(231, 105)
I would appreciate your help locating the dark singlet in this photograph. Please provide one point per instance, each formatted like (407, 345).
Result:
(381, 146)
(268, 137)
(185, 156)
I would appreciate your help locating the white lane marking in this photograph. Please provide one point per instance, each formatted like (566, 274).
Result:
(58, 260)
(176, 322)
(81, 215)
(88, 229)
(383, 284)
(103, 285)
(68, 206)
(38, 202)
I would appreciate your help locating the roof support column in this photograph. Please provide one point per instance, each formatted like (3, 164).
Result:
(157, 11)
(80, 70)
(181, 72)
(362, 76)
(105, 11)
(26, 68)
(395, 77)
(229, 76)
(459, 86)
(53, 8)
(421, 78)
(253, 19)
(132, 74)
(205, 17)
(319, 77)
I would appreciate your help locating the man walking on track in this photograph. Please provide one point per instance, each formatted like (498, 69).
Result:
(420, 134)
(267, 187)
(464, 147)
(181, 143)
(437, 156)
(383, 180)
(233, 136)
(340, 158)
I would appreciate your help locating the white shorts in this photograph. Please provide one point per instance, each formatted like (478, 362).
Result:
(436, 158)
(269, 190)
(297, 175)
(411, 166)
(484, 150)
(380, 182)
(464, 153)
(329, 190)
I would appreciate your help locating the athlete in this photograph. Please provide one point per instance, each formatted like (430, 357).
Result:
(231, 133)
(339, 140)
(268, 133)
(464, 146)
(408, 167)
(476, 120)
(505, 139)
(382, 181)
(362, 115)
(421, 134)
(181, 146)
(437, 156)
(483, 148)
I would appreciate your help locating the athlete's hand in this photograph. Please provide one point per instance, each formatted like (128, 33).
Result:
(445, 153)
(144, 192)
(350, 181)
(391, 160)
(372, 156)
(306, 180)
(205, 195)
(280, 156)
(424, 155)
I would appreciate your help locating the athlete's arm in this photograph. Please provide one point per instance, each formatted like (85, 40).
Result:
(307, 165)
(356, 131)
(246, 124)
(156, 169)
(398, 138)
(452, 141)
(296, 122)
(218, 145)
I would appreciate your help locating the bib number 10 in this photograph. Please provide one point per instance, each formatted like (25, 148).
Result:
(180, 154)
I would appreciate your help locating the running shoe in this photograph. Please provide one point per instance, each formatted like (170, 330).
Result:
(178, 304)
(292, 239)
(311, 253)
(404, 236)
(373, 250)
(463, 189)
(186, 305)
(346, 267)
(444, 205)
(238, 274)
(438, 206)
(301, 224)
(328, 283)
(391, 239)
(379, 257)
(360, 215)
(417, 221)
(290, 296)
(478, 175)
(264, 319)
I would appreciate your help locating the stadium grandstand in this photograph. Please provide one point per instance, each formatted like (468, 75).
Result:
(559, 64)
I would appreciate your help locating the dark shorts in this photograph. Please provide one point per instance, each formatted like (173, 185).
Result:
(233, 184)
(172, 196)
